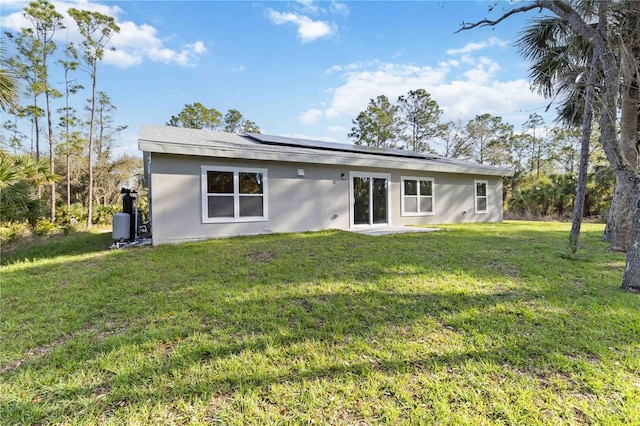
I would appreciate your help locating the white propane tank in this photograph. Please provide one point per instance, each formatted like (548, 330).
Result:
(121, 223)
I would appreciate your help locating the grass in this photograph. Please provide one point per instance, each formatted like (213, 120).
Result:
(478, 324)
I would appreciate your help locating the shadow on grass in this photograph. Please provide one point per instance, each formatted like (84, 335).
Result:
(353, 327)
(58, 245)
(203, 306)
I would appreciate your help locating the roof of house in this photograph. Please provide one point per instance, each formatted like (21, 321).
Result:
(256, 146)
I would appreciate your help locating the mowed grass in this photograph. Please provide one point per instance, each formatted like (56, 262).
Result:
(476, 324)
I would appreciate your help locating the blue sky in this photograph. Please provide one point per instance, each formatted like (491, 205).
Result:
(303, 68)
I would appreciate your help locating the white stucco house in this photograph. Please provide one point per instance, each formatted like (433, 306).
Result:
(207, 184)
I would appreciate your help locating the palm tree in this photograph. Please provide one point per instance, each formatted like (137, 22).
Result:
(20, 175)
(560, 60)
(563, 65)
(8, 85)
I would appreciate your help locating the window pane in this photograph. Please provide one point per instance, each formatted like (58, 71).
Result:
(481, 189)
(410, 187)
(250, 183)
(482, 204)
(426, 204)
(219, 182)
(379, 200)
(426, 187)
(361, 200)
(251, 206)
(220, 206)
(411, 204)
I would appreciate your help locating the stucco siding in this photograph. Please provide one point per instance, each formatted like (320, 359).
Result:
(318, 200)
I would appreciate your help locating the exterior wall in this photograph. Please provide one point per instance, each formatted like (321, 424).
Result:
(318, 200)
(454, 199)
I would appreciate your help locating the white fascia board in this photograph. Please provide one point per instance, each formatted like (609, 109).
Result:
(301, 155)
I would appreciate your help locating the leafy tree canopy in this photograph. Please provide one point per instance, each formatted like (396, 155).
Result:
(197, 116)
(378, 125)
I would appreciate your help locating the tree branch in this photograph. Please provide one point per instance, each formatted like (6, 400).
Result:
(489, 23)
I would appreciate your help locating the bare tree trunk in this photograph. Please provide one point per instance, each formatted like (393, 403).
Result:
(619, 219)
(623, 204)
(93, 110)
(626, 172)
(581, 190)
(631, 278)
(68, 184)
(51, 157)
(37, 134)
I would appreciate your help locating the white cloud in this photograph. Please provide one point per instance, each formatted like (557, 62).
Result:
(475, 90)
(483, 71)
(308, 30)
(133, 44)
(392, 80)
(311, 116)
(199, 47)
(335, 68)
(340, 8)
(315, 7)
(468, 98)
(350, 67)
(121, 58)
(136, 36)
(308, 6)
(473, 47)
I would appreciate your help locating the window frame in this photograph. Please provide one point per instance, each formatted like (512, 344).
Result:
(403, 212)
(236, 194)
(477, 197)
(352, 201)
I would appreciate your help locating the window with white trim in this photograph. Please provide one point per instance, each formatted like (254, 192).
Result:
(481, 198)
(417, 196)
(233, 194)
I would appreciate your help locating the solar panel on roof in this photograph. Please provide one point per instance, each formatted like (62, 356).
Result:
(332, 146)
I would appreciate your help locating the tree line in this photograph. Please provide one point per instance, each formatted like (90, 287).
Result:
(545, 160)
(49, 148)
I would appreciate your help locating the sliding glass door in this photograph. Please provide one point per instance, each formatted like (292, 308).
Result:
(369, 199)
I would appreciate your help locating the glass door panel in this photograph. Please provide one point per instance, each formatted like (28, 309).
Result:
(370, 200)
(379, 196)
(361, 200)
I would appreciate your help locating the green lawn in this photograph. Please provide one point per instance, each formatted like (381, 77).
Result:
(477, 324)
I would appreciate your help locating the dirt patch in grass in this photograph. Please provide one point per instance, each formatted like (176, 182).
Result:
(36, 352)
(102, 390)
(505, 268)
(303, 304)
(261, 256)
(43, 350)
(218, 402)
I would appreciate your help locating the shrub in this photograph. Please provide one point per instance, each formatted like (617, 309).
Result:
(68, 229)
(103, 215)
(12, 231)
(75, 215)
(45, 227)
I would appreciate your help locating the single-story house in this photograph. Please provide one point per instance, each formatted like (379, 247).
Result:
(207, 184)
